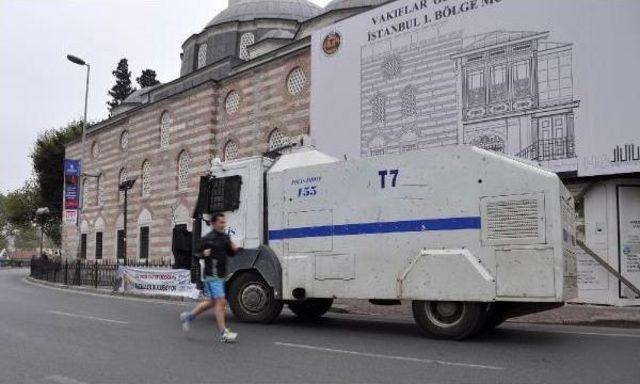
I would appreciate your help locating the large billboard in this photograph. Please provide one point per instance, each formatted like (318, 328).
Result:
(554, 82)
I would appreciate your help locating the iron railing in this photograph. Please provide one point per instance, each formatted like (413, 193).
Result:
(95, 273)
(550, 149)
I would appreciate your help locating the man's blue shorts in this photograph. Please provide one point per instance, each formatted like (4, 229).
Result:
(213, 288)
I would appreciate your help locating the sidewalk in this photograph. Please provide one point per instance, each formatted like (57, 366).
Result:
(570, 314)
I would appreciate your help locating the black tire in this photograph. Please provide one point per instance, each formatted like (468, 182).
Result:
(251, 299)
(451, 320)
(310, 309)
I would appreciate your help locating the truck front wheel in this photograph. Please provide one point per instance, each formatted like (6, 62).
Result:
(251, 299)
(310, 309)
(454, 320)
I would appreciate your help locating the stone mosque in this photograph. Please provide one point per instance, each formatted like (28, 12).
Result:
(243, 89)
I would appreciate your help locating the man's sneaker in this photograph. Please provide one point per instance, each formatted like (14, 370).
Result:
(227, 336)
(185, 319)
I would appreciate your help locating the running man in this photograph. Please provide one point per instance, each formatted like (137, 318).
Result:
(215, 248)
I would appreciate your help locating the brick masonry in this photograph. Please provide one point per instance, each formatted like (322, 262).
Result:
(201, 127)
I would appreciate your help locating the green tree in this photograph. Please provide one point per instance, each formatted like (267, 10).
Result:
(19, 206)
(147, 78)
(48, 168)
(122, 88)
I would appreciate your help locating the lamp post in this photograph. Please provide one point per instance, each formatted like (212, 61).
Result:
(125, 186)
(40, 215)
(79, 61)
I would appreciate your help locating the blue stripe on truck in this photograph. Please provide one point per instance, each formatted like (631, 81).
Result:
(447, 224)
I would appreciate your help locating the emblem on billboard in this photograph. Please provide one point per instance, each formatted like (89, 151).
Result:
(331, 43)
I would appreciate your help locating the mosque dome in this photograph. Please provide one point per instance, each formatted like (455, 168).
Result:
(247, 10)
(345, 4)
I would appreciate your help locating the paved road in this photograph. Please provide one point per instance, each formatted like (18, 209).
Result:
(58, 336)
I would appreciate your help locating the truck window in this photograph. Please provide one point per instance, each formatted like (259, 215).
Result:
(225, 194)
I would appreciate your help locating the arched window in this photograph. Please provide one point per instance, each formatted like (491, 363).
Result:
(95, 150)
(230, 151)
(146, 178)
(232, 102)
(202, 55)
(122, 177)
(184, 162)
(296, 81)
(408, 101)
(124, 140)
(277, 139)
(246, 40)
(165, 128)
(378, 108)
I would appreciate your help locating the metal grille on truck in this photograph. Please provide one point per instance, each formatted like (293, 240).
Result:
(513, 219)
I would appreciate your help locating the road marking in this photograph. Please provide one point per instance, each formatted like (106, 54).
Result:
(63, 380)
(87, 317)
(388, 357)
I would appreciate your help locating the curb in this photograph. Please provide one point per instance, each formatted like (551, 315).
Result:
(107, 292)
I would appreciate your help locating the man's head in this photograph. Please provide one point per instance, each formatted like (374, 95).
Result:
(218, 222)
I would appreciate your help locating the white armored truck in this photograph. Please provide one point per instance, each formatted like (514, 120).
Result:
(468, 236)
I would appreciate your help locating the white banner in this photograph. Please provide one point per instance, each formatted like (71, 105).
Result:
(553, 82)
(70, 216)
(150, 281)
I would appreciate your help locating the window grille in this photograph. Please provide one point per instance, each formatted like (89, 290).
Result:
(124, 140)
(120, 244)
(165, 127)
(183, 170)
(296, 81)
(408, 100)
(122, 178)
(391, 66)
(146, 178)
(144, 242)
(230, 151)
(98, 245)
(83, 246)
(378, 108)
(246, 40)
(95, 150)
(277, 139)
(232, 102)
(202, 55)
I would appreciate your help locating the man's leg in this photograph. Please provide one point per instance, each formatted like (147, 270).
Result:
(203, 306)
(219, 309)
(187, 317)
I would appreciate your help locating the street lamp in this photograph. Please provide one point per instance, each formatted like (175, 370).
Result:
(79, 61)
(40, 215)
(125, 186)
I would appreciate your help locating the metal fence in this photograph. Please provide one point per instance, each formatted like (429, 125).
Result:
(95, 273)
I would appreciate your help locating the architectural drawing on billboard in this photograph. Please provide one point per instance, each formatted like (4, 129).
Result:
(506, 91)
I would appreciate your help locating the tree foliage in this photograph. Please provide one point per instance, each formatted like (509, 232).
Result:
(48, 168)
(147, 78)
(122, 88)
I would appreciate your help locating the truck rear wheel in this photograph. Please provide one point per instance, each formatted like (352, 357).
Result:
(251, 299)
(454, 320)
(310, 309)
